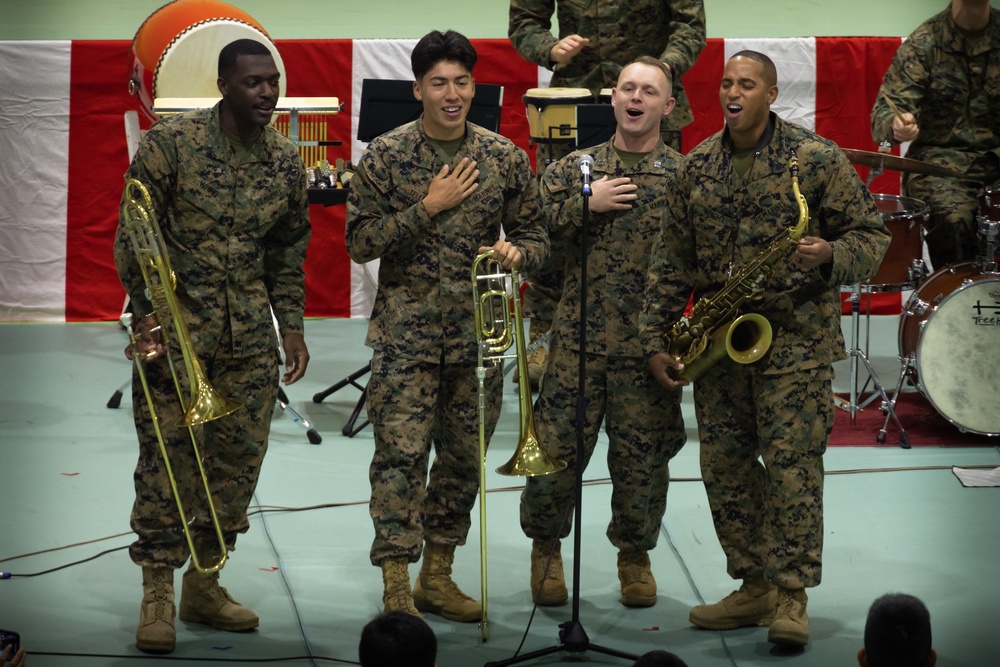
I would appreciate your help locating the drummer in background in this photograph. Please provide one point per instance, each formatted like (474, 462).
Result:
(944, 81)
(596, 39)
(642, 419)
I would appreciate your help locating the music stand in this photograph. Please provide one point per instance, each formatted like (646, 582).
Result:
(385, 105)
(388, 103)
(595, 124)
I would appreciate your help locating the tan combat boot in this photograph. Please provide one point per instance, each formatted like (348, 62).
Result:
(548, 587)
(436, 593)
(156, 633)
(396, 586)
(204, 601)
(636, 577)
(791, 623)
(752, 604)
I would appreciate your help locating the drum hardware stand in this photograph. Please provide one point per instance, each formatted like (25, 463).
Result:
(856, 354)
(572, 636)
(350, 430)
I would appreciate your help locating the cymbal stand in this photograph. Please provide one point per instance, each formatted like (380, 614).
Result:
(857, 355)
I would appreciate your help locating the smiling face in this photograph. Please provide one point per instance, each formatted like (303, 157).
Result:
(746, 95)
(446, 92)
(641, 99)
(250, 92)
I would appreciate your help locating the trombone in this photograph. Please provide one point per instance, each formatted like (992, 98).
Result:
(203, 403)
(495, 333)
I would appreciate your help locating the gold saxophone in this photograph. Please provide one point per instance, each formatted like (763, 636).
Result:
(715, 328)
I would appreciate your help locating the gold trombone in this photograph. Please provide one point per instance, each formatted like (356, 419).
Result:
(495, 333)
(203, 404)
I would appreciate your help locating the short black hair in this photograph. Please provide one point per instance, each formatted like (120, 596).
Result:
(436, 46)
(395, 639)
(770, 71)
(659, 659)
(241, 47)
(898, 632)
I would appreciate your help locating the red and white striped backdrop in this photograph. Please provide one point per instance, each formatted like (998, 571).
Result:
(63, 150)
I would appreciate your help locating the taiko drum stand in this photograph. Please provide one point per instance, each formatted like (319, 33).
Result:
(572, 636)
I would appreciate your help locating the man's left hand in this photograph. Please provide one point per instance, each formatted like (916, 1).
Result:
(506, 253)
(296, 357)
(813, 251)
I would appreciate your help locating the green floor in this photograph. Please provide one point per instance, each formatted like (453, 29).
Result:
(896, 520)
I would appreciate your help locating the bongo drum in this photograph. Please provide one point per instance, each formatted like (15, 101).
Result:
(552, 113)
(175, 52)
(604, 97)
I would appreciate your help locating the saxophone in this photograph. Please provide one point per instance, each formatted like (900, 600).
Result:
(714, 328)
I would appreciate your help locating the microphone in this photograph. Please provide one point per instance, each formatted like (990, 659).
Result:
(586, 164)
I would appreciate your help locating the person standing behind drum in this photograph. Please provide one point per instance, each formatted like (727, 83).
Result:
(643, 420)
(229, 194)
(763, 426)
(427, 198)
(596, 39)
(944, 81)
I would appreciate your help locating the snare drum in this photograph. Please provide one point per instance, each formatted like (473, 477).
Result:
(175, 52)
(949, 337)
(552, 113)
(902, 266)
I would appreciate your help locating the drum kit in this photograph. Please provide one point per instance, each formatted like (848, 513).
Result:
(949, 329)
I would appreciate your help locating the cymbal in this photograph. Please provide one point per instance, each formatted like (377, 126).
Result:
(890, 161)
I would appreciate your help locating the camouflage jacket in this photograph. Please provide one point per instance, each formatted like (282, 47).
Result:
(619, 32)
(423, 308)
(617, 251)
(715, 218)
(236, 234)
(951, 84)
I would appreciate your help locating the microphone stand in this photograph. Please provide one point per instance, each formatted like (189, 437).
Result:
(572, 635)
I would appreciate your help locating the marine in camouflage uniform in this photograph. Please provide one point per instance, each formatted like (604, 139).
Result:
(235, 225)
(423, 387)
(642, 419)
(949, 80)
(619, 32)
(768, 513)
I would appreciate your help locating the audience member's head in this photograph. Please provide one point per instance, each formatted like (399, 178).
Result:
(395, 639)
(659, 659)
(897, 633)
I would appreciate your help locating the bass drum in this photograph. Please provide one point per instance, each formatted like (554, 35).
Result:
(949, 337)
(175, 52)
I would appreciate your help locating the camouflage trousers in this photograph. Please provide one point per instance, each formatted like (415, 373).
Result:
(413, 404)
(232, 450)
(762, 443)
(645, 430)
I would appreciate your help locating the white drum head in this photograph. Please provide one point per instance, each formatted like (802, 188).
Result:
(189, 67)
(958, 357)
